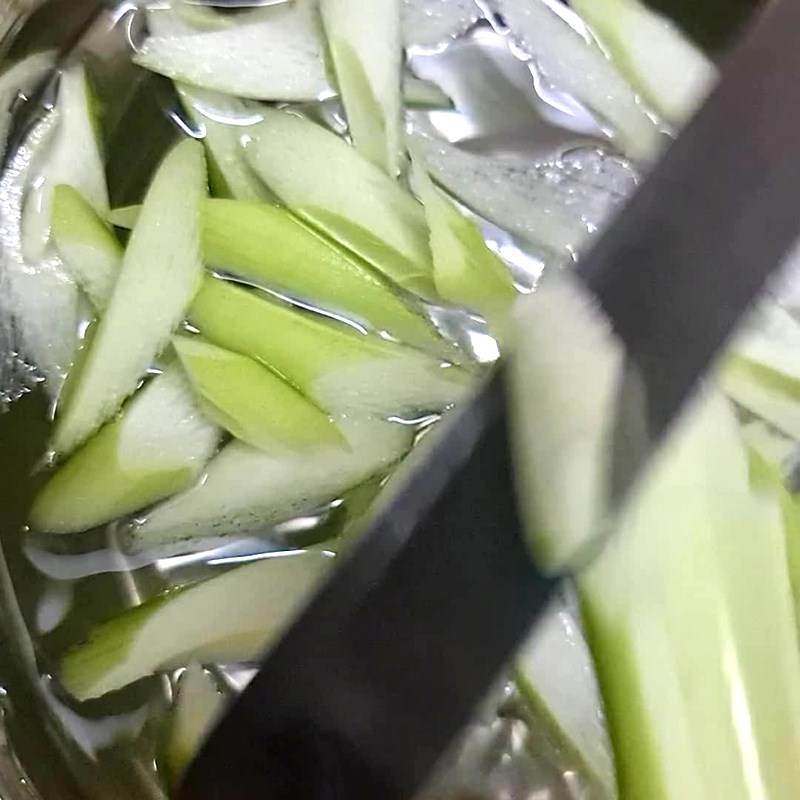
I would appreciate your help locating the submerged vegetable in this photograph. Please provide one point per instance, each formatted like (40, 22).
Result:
(73, 158)
(326, 182)
(251, 401)
(247, 490)
(651, 51)
(278, 58)
(343, 371)
(86, 243)
(232, 617)
(197, 705)
(160, 273)
(157, 447)
(466, 272)
(570, 59)
(269, 245)
(364, 42)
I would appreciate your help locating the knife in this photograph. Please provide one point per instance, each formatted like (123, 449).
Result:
(365, 691)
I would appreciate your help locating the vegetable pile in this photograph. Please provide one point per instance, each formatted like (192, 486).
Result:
(261, 336)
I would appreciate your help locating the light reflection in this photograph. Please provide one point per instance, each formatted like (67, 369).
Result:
(743, 723)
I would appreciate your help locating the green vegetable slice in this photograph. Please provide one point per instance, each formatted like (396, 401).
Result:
(271, 246)
(160, 273)
(197, 705)
(690, 619)
(324, 180)
(279, 57)
(157, 447)
(364, 42)
(555, 676)
(556, 205)
(566, 370)
(246, 490)
(251, 401)
(74, 158)
(768, 458)
(231, 617)
(124, 217)
(86, 244)
(670, 72)
(223, 121)
(422, 94)
(340, 369)
(466, 271)
(761, 372)
(568, 56)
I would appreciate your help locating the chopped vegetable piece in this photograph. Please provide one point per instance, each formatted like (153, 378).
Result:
(246, 490)
(555, 205)
(364, 42)
(324, 180)
(341, 370)
(766, 472)
(271, 246)
(160, 273)
(671, 73)
(158, 446)
(566, 372)
(690, 620)
(74, 159)
(223, 121)
(555, 675)
(434, 21)
(568, 56)
(124, 217)
(419, 93)
(277, 58)
(231, 617)
(466, 271)
(38, 301)
(197, 705)
(86, 244)
(762, 369)
(251, 401)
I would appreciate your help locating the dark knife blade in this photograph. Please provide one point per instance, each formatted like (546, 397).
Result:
(364, 692)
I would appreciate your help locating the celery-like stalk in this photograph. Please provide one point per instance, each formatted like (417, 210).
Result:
(688, 608)
(571, 60)
(279, 57)
(234, 616)
(157, 447)
(342, 370)
(223, 121)
(271, 246)
(197, 705)
(670, 72)
(761, 372)
(251, 401)
(74, 158)
(86, 244)
(466, 272)
(323, 179)
(364, 42)
(246, 490)
(160, 273)
(690, 619)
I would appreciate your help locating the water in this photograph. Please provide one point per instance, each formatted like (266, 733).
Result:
(112, 747)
